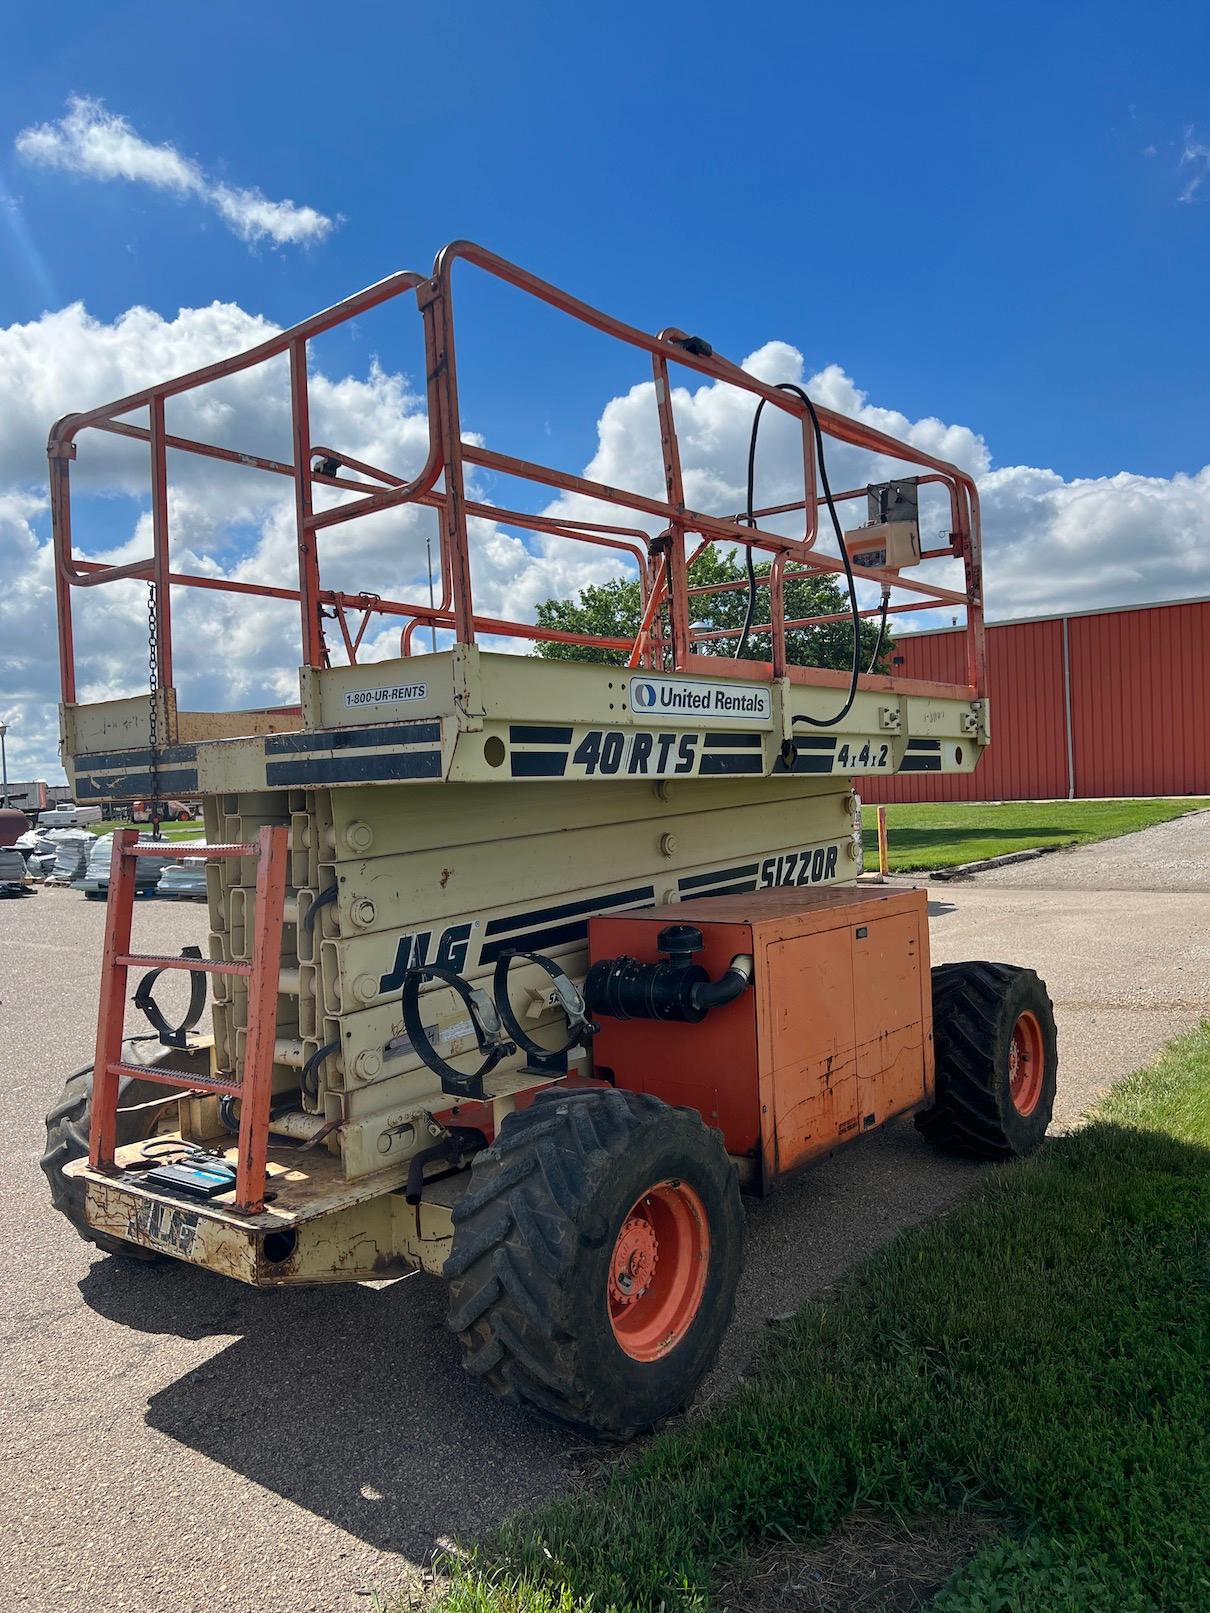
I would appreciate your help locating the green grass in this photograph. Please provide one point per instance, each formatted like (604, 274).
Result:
(168, 831)
(940, 835)
(1039, 1355)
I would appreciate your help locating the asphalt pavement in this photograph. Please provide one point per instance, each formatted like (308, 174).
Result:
(174, 1442)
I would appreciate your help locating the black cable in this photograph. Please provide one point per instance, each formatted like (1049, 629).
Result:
(311, 1068)
(750, 516)
(322, 900)
(886, 603)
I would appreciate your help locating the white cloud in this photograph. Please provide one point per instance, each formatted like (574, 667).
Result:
(98, 144)
(1195, 159)
(1050, 544)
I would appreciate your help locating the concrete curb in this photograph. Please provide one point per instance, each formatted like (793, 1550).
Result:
(960, 870)
(995, 862)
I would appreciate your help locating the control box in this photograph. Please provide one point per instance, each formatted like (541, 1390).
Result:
(832, 1039)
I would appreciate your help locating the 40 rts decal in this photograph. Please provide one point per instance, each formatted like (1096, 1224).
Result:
(537, 751)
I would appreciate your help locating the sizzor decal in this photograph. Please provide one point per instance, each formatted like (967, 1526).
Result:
(677, 697)
(809, 867)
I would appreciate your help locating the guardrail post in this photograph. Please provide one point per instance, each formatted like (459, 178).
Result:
(257, 1084)
(111, 1010)
(308, 563)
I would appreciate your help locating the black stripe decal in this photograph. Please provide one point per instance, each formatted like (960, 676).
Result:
(713, 765)
(693, 881)
(544, 915)
(414, 733)
(810, 764)
(123, 786)
(920, 764)
(536, 940)
(529, 734)
(815, 741)
(931, 745)
(744, 888)
(417, 764)
(733, 741)
(538, 763)
(95, 761)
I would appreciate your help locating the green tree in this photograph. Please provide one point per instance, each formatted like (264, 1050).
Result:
(614, 610)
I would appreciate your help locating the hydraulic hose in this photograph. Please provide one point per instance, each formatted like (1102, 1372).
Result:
(731, 984)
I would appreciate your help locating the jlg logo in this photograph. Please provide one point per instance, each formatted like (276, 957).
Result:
(413, 952)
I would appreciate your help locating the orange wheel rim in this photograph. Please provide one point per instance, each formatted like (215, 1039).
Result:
(1026, 1064)
(657, 1270)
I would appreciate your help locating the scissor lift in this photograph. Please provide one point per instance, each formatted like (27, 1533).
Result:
(450, 823)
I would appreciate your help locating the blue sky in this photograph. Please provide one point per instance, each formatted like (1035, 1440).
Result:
(995, 215)
(955, 201)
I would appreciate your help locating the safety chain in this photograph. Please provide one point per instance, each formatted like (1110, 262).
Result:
(153, 716)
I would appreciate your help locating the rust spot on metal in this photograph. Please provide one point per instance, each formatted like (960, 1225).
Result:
(445, 877)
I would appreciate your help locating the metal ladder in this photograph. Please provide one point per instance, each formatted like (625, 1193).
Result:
(255, 1090)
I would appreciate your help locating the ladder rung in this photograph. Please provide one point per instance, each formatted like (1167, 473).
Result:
(201, 966)
(188, 1079)
(186, 850)
(270, 852)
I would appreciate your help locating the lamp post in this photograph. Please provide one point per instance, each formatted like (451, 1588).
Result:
(4, 761)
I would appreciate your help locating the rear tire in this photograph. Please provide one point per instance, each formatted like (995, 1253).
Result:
(997, 1060)
(67, 1134)
(595, 1259)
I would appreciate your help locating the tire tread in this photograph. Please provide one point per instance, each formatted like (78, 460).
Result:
(972, 1019)
(525, 1218)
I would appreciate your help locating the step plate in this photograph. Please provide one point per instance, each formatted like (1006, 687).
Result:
(317, 1228)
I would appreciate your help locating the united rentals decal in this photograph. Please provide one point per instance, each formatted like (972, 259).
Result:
(678, 699)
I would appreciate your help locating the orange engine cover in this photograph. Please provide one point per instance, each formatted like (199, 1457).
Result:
(833, 1037)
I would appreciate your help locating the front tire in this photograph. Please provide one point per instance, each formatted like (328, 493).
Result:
(595, 1259)
(997, 1060)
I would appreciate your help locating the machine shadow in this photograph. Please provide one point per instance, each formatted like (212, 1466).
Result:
(348, 1400)
(351, 1401)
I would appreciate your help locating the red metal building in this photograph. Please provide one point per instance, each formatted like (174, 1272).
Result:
(1104, 702)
